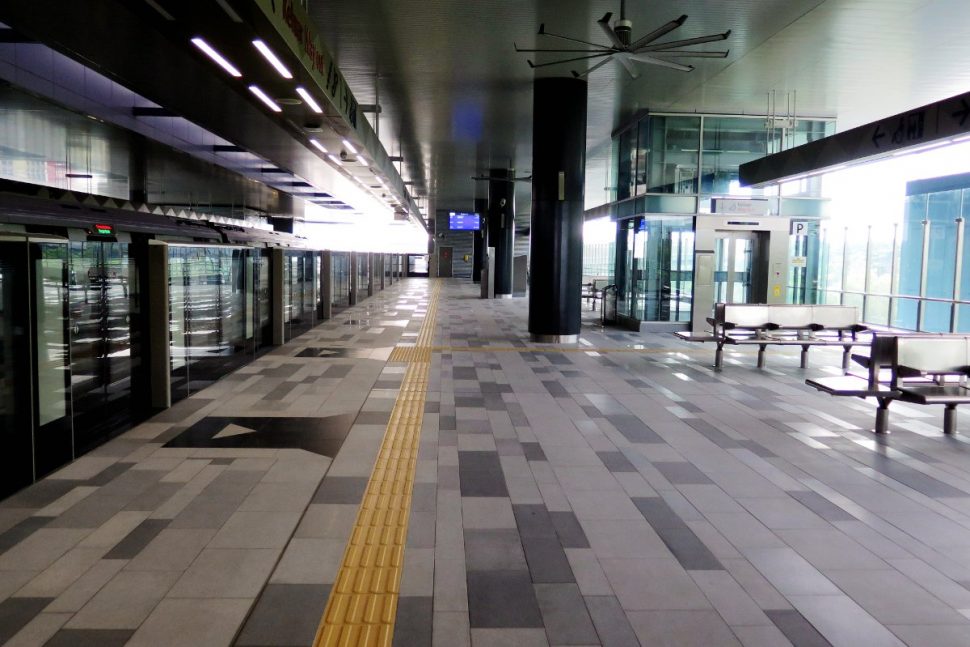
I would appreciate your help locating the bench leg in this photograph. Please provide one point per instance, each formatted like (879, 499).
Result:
(719, 355)
(804, 356)
(882, 416)
(950, 419)
(846, 354)
(761, 355)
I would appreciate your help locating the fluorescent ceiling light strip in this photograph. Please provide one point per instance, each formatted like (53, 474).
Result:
(335, 160)
(272, 58)
(360, 158)
(308, 98)
(350, 147)
(264, 98)
(922, 148)
(320, 147)
(961, 139)
(216, 56)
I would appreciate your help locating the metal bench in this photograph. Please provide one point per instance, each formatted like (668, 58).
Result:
(782, 325)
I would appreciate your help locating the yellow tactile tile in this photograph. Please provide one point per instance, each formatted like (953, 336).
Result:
(363, 603)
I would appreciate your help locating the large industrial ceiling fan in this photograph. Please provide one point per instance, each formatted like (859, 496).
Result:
(629, 52)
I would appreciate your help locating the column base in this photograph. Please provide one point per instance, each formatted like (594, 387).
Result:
(504, 296)
(555, 339)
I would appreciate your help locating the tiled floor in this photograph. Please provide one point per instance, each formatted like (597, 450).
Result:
(577, 497)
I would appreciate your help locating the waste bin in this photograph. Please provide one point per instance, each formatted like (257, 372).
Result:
(608, 312)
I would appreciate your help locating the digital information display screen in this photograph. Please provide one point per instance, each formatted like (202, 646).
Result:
(459, 221)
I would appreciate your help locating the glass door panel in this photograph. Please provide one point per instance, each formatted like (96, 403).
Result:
(16, 452)
(734, 260)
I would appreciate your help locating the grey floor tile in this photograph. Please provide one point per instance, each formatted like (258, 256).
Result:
(682, 629)
(502, 599)
(547, 560)
(689, 550)
(616, 462)
(565, 615)
(534, 520)
(490, 550)
(682, 473)
(569, 530)
(413, 627)
(286, 614)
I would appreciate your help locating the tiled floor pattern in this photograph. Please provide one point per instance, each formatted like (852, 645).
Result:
(560, 498)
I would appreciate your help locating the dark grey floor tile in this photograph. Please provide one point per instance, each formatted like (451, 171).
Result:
(447, 423)
(656, 511)
(616, 462)
(556, 389)
(821, 506)
(547, 560)
(494, 550)
(682, 473)
(432, 407)
(689, 550)
(90, 638)
(533, 452)
(712, 433)
(21, 531)
(483, 483)
(157, 494)
(611, 622)
(373, 417)
(469, 401)
(922, 483)
(465, 373)
(285, 614)
(797, 629)
(568, 529)
(558, 359)
(414, 620)
(15, 613)
(533, 520)
(338, 371)
(517, 415)
(41, 493)
(475, 427)
(137, 539)
(109, 474)
(479, 460)
(493, 388)
(756, 448)
(564, 614)
(502, 599)
(634, 429)
(508, 447)
(591, 411)
(341, 489)
(280, 391)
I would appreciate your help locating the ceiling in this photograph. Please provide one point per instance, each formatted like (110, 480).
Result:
(457, 98)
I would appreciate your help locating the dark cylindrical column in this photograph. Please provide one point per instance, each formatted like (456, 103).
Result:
(501, 227)
(558, 178)
(478, 241)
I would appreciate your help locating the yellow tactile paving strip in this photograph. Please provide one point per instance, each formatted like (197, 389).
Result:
(363, 602)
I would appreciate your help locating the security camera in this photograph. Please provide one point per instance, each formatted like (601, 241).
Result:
(501, 202)
(343, 155)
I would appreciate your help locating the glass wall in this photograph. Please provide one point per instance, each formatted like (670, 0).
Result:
(340, 281)
(363, 275)
(658, 268)
(16, 437)
(209, 335)
(299, 296)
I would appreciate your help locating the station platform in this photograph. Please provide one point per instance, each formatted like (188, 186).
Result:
(415, 472)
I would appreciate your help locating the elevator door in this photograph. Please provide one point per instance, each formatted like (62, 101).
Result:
(740, 267)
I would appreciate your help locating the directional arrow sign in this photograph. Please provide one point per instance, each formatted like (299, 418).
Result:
(876, 136)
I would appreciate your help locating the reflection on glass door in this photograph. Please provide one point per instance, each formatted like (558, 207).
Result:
(16, 454)
(102, 287)
(53, 441)
(734, 254)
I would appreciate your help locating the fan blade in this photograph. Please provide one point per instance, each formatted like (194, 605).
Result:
(676, 52)
(543, 32)
(650, 60)
(568, 60)
(624, 60)
(604, 24)
(657, 33)
(588, 51)
(684, 43)
(580, 75)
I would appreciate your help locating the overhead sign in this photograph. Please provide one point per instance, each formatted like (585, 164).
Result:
(291, 21)
(103, 230)
(930, 125)
(741, 206)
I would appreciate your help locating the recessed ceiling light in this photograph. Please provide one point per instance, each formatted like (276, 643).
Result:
(264, 98)
(360, 158)
(350, 147)
(306, 96)
(272, 58)
(335, 160)
(320, 147)
(216, 56)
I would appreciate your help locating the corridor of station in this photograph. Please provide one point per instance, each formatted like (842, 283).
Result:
(615, 492)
